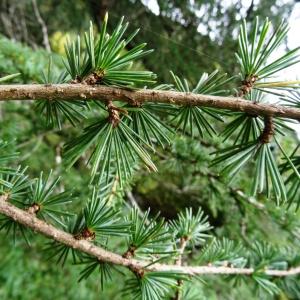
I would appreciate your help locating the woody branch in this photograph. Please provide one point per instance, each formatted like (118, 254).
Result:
(30, 220)
(104, 93)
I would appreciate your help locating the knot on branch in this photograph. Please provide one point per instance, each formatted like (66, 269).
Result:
(139, 272)
(94, 78)
(132, 101)
(85, 234)
(4, 196)
(247, 85)
(34, 208)
(114, 113)
(268, 131)
(129, 253)
(91, 79)
(77, 79)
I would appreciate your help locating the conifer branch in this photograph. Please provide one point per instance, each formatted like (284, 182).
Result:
(182, 246)
(30, 220)
(123, 135)
(105, 93)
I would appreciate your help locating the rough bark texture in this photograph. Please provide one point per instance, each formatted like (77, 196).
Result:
(104, 93)
(39, 226)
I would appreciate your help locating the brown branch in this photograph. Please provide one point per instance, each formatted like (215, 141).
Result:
(268, 131)
(104, 93)
(39, 226)
(114, 116)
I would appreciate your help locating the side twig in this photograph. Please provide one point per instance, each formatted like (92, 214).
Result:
(183, 243)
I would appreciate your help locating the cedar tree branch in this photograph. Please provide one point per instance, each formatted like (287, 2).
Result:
(39, 226)
(104, 93)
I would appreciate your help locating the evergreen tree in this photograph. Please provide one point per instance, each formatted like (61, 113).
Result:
(129, 119)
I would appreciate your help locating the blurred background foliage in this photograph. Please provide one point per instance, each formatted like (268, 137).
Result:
(189, 37)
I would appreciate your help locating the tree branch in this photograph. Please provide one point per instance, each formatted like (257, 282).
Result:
(104, 93)
(183, 243)
(39, 226)
(43, 26)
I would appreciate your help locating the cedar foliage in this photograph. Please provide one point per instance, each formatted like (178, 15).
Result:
(120, 140)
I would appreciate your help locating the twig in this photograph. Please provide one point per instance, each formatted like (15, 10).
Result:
(268, 131)
(104, 93)
(43, 26)
(39, 226)
(250, 200)
(183, 243)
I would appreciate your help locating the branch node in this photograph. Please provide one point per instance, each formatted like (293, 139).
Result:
(94, 78)
(5, 196)
(114, 113)
(34, 208)
(85, 234)
(76, 80)
(139, 272)
(129, 253)
(247, 85)
(132, 101)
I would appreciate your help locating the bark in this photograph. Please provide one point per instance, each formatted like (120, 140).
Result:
(39, 226)
(104, 93)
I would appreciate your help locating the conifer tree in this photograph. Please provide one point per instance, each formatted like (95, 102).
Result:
(127, 117)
